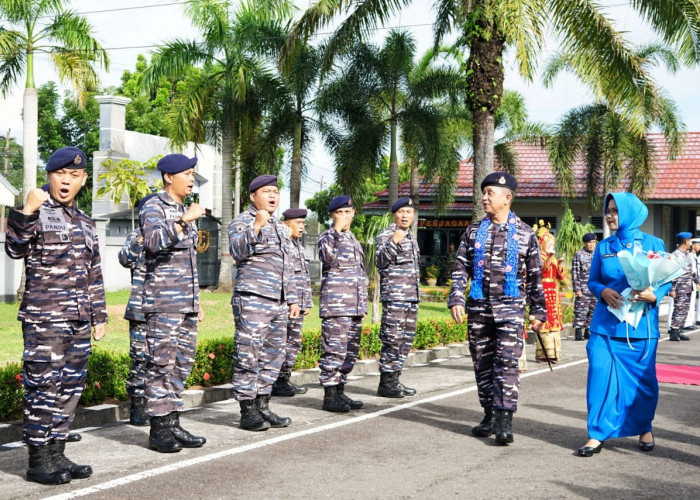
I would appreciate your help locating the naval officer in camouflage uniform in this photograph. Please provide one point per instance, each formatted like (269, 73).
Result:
(342, 305)
(682, 288)
(584, 301)
(264, 298)
(295, 220)
(64, 297)
(170, 301)
(133, 256)
(501, 256)
(397, 257)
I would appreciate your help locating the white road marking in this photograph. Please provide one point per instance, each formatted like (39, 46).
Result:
(132, 478)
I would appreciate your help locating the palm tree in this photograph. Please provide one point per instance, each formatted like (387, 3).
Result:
(377, 94)
(67, 38)
(488, 27)
(603, 134)
(291, 120)
(220, 103)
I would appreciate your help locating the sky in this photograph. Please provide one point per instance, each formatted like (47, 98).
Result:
(131, 27)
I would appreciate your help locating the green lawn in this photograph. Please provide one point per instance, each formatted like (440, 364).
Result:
(218, 322)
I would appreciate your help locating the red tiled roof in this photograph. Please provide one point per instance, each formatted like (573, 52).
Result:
(675, 180)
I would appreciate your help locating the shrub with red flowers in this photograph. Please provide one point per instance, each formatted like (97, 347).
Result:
(11, 391)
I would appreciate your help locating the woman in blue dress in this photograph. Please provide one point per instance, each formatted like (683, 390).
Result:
(622, 390)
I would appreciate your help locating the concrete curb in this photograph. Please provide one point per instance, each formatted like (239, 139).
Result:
(100, 415)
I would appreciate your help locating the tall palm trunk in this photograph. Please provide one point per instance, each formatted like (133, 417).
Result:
(415, 192)
(485, 76)
(393, 164)
(225, 270)
(30, 116)
(295, 174)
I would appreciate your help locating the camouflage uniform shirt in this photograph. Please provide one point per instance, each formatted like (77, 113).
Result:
(133, 256)
(62, 262)
(529, 274)
(580, 269)
(265, 260)
(398, 266)
(301, 276)
(171, 284)
(343, 281)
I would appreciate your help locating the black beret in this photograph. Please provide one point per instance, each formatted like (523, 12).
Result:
(341, 201)
(588, 237)
(406, 201)
(68, 157)
(261, 181)
(176, 163)
(501, 179)
(294, 213)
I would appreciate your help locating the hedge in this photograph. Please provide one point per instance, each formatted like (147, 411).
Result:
(108, 370)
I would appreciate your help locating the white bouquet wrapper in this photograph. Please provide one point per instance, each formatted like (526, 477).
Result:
(643, 270)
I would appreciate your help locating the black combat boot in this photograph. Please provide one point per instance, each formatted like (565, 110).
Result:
(388, 388)
(354, 404)
(262, 403)
(42, 470)
(332, 401)
(408, 391)
(486, 427)
(137, 412)
(251, 420)
(58, 458)
(183, 437)
(586, 334)
(504, 420)
(283, 387)
(579, 334)
(673, 335)
(161, 438)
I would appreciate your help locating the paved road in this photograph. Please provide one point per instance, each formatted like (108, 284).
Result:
(418, 447)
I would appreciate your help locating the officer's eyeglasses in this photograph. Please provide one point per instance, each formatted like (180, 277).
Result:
(611, 211)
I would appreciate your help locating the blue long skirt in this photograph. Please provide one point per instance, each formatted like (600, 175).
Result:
(622, 390)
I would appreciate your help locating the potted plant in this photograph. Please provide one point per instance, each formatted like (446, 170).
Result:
(431, 275)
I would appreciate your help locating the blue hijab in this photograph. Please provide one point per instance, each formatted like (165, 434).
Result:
(631, 214)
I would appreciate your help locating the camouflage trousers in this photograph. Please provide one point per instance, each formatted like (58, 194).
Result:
(54, 370)
(396, 334)
(681, 307)
(583, 310)
(136, 383)
(293, 343)
(340, 343)
(261, 333)
(171, 339)
(495, 348)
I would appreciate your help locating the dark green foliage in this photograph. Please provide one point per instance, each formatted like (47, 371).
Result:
(11, 392)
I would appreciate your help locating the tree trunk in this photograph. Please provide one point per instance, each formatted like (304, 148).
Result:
(375, 300)
(393, 165)
(295, 173)
(484, 77)
(483, 132)
(30, 142)
(226, 268)
(415, 192)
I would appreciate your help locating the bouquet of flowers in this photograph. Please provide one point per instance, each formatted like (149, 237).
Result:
(643, 270)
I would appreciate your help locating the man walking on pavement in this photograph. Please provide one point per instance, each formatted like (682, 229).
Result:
(584, 301)
(170, 301)
(264, 298)
(64, 298)
(397, 258)
(501, 257)
(295, 220)
(342, 306)
(681, 289)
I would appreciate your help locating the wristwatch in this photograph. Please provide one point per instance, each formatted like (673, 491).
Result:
(181, 223)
